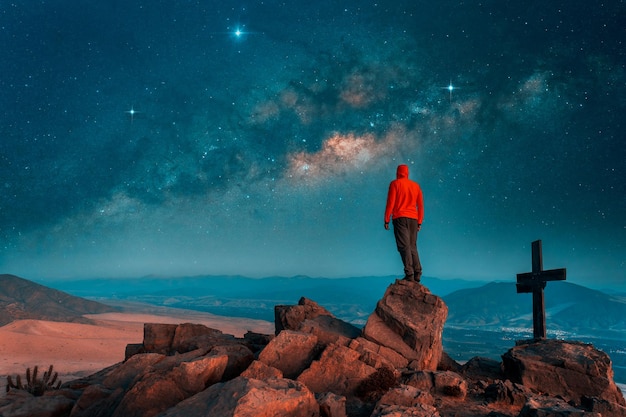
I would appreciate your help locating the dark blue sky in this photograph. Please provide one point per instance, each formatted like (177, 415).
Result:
(154, 138)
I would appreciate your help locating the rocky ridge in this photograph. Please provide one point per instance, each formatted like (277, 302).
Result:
(21, 299)
(316, 365)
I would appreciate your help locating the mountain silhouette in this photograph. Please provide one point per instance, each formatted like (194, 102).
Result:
(22, 299)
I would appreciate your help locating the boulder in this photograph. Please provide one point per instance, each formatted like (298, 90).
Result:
(442, 383)
(259, 370)
(339, 370)
(553, 407)
(406, 396)
(446, 363)
(239, 358)
(157, 338)
(419, 410)
(409, 319)
(243, 397)
(125, 375)
(376, 355)
(482, 368)
(329, 330)
(507, 392)
(189, 336)
(195, 375)
(422, 380)
(288, 317)
(605, 408)
(97, 401)
(149, 397)
(133, 349)
(332, 405)
(257, 341)
(377, 331)
(560, 368)
(168, 339)
(148, 384)
(310, 317)
(291, 352)
(19, 403)
(450, 384)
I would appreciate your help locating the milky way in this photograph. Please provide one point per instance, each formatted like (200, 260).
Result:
(178, 137)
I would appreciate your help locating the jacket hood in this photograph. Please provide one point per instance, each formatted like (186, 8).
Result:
(402, 171)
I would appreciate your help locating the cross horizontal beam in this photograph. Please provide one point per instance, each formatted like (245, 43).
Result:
(527, 281)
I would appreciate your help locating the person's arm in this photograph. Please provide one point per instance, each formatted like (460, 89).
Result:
(391, 197)
(420, 209)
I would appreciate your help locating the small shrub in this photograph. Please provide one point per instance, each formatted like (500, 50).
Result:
(372, 388)
(33, 385)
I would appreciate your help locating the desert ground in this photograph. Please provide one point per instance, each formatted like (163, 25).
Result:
(78, 350)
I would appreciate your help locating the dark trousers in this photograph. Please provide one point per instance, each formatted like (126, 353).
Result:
(405, 231)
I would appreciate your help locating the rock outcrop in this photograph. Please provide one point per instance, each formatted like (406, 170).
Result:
(409, 320)
(309, 317)
(245, 397)
(574, 371)
(290, 352)
(319, 366)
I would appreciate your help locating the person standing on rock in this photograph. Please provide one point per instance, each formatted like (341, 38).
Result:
(405, 206)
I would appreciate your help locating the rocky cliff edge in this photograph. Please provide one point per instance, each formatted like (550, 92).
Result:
(317, 365)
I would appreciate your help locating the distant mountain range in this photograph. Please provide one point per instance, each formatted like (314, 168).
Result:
(352, 299)
(471, 304)
(570, 308)
(22, 299)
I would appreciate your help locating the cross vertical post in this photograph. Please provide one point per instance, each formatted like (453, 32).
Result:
(535, 282)
(539, 302)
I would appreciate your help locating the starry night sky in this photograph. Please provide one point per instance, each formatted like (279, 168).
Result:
(175, 137)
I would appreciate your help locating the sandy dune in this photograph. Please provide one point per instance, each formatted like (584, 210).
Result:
(78, 350)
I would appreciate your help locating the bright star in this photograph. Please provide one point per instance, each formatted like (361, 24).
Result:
(450, 88)
(239, 32)
(132, 113)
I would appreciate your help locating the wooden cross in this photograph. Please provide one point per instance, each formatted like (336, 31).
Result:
(535, 282)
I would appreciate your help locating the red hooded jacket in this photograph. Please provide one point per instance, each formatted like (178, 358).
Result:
(404, 198)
